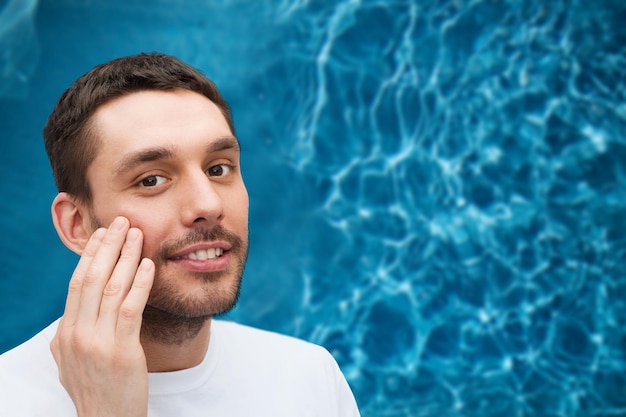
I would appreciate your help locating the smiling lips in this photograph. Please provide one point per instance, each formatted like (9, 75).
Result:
(201, 254)
(203, 259)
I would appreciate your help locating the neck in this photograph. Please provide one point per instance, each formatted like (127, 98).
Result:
(173, 343)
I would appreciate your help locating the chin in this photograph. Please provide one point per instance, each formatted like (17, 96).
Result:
(210, 298)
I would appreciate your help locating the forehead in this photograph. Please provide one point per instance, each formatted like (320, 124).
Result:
(157, 118)
(151, 111)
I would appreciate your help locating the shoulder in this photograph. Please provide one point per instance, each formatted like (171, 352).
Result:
(242, 332)
(34, 350)
(262, 348)
(239, 335)
(29, 382)
(264, 342)
(299, 370)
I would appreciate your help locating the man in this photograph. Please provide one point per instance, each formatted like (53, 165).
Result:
(151, 197)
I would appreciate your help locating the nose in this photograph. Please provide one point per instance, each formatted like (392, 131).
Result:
(200, 202)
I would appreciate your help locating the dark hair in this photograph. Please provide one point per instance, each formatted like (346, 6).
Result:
(70, 142)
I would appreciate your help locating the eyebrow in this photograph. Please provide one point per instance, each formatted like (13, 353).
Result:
(223, 143)
(160, 153)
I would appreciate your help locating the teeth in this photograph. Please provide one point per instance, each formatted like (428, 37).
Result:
(205, 254)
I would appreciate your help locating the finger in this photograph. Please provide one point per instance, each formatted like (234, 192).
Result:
(72, 301)
(99, 271)
(120, 282)
(131, 310)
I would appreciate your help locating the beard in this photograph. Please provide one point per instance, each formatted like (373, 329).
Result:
(174, 316)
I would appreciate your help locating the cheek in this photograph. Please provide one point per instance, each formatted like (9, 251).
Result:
(152, 239)
(238, 211)
(153, 225)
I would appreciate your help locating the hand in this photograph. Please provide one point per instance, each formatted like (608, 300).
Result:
(97, 349)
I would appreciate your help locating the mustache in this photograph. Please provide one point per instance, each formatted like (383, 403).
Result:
(202, 234)
(198, 235)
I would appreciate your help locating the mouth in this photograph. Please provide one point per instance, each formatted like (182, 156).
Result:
(205, 251)
(207, 257)
(200, 254)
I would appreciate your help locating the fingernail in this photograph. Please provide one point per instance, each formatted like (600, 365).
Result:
(118, 223)
(98, 235)
(145, 264)
(133, 235)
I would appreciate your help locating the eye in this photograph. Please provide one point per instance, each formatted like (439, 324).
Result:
(152, 181)
(219, 170)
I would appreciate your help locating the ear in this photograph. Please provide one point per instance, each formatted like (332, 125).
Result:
(71, 221)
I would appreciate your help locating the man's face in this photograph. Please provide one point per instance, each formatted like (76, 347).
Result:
(169, 163)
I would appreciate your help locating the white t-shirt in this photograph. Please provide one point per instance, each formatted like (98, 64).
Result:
(246, 372)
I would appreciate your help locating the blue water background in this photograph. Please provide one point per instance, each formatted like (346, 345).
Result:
(437, 188)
